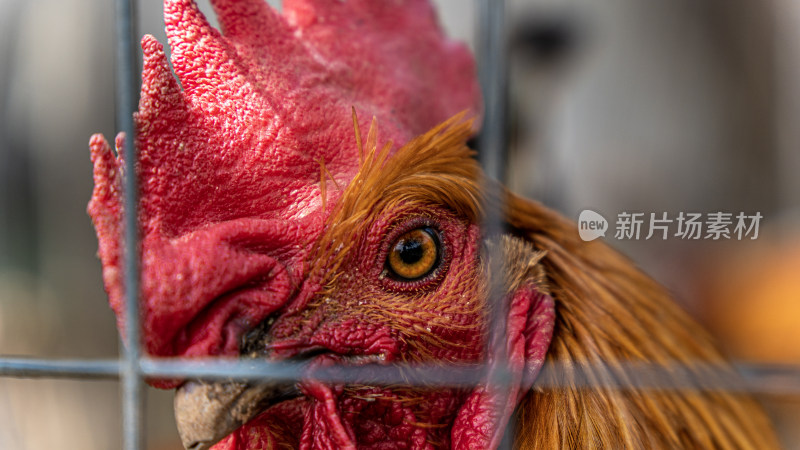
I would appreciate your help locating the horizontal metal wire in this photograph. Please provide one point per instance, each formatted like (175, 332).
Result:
(772, 379)
(55, 368)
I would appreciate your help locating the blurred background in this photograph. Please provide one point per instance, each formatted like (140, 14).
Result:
(614, 105)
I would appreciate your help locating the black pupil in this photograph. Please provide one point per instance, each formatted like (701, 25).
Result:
(411, 251)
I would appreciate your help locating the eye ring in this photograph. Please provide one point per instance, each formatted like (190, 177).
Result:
(414, 255)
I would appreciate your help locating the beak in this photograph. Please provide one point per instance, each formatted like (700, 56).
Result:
(208, 412)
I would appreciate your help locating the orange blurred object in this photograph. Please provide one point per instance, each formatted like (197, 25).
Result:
(752, 301)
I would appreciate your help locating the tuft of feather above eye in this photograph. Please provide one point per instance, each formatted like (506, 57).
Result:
(436, 168)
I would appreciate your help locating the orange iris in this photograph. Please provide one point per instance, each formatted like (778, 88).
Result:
(414, 254)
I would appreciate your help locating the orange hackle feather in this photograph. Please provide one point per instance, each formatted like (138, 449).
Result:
(609, 316)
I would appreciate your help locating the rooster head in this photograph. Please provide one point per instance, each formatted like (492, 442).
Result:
(271, 228)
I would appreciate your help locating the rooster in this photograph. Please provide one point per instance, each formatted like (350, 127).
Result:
(273, 228)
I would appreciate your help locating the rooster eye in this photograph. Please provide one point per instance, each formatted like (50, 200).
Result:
(414, 254)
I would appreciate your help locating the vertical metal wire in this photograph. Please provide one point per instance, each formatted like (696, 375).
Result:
(127, 92)
(492, 72)
(493, 75)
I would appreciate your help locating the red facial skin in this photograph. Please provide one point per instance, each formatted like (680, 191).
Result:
(345, 323)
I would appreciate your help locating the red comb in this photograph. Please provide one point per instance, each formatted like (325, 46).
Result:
(238, 143)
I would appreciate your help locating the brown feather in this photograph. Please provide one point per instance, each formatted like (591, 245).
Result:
(609, 315)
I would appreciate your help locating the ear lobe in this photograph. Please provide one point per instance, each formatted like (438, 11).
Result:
(536, 311)
(530, 316)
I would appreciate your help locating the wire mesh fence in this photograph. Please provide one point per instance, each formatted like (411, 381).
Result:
(132, 368)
